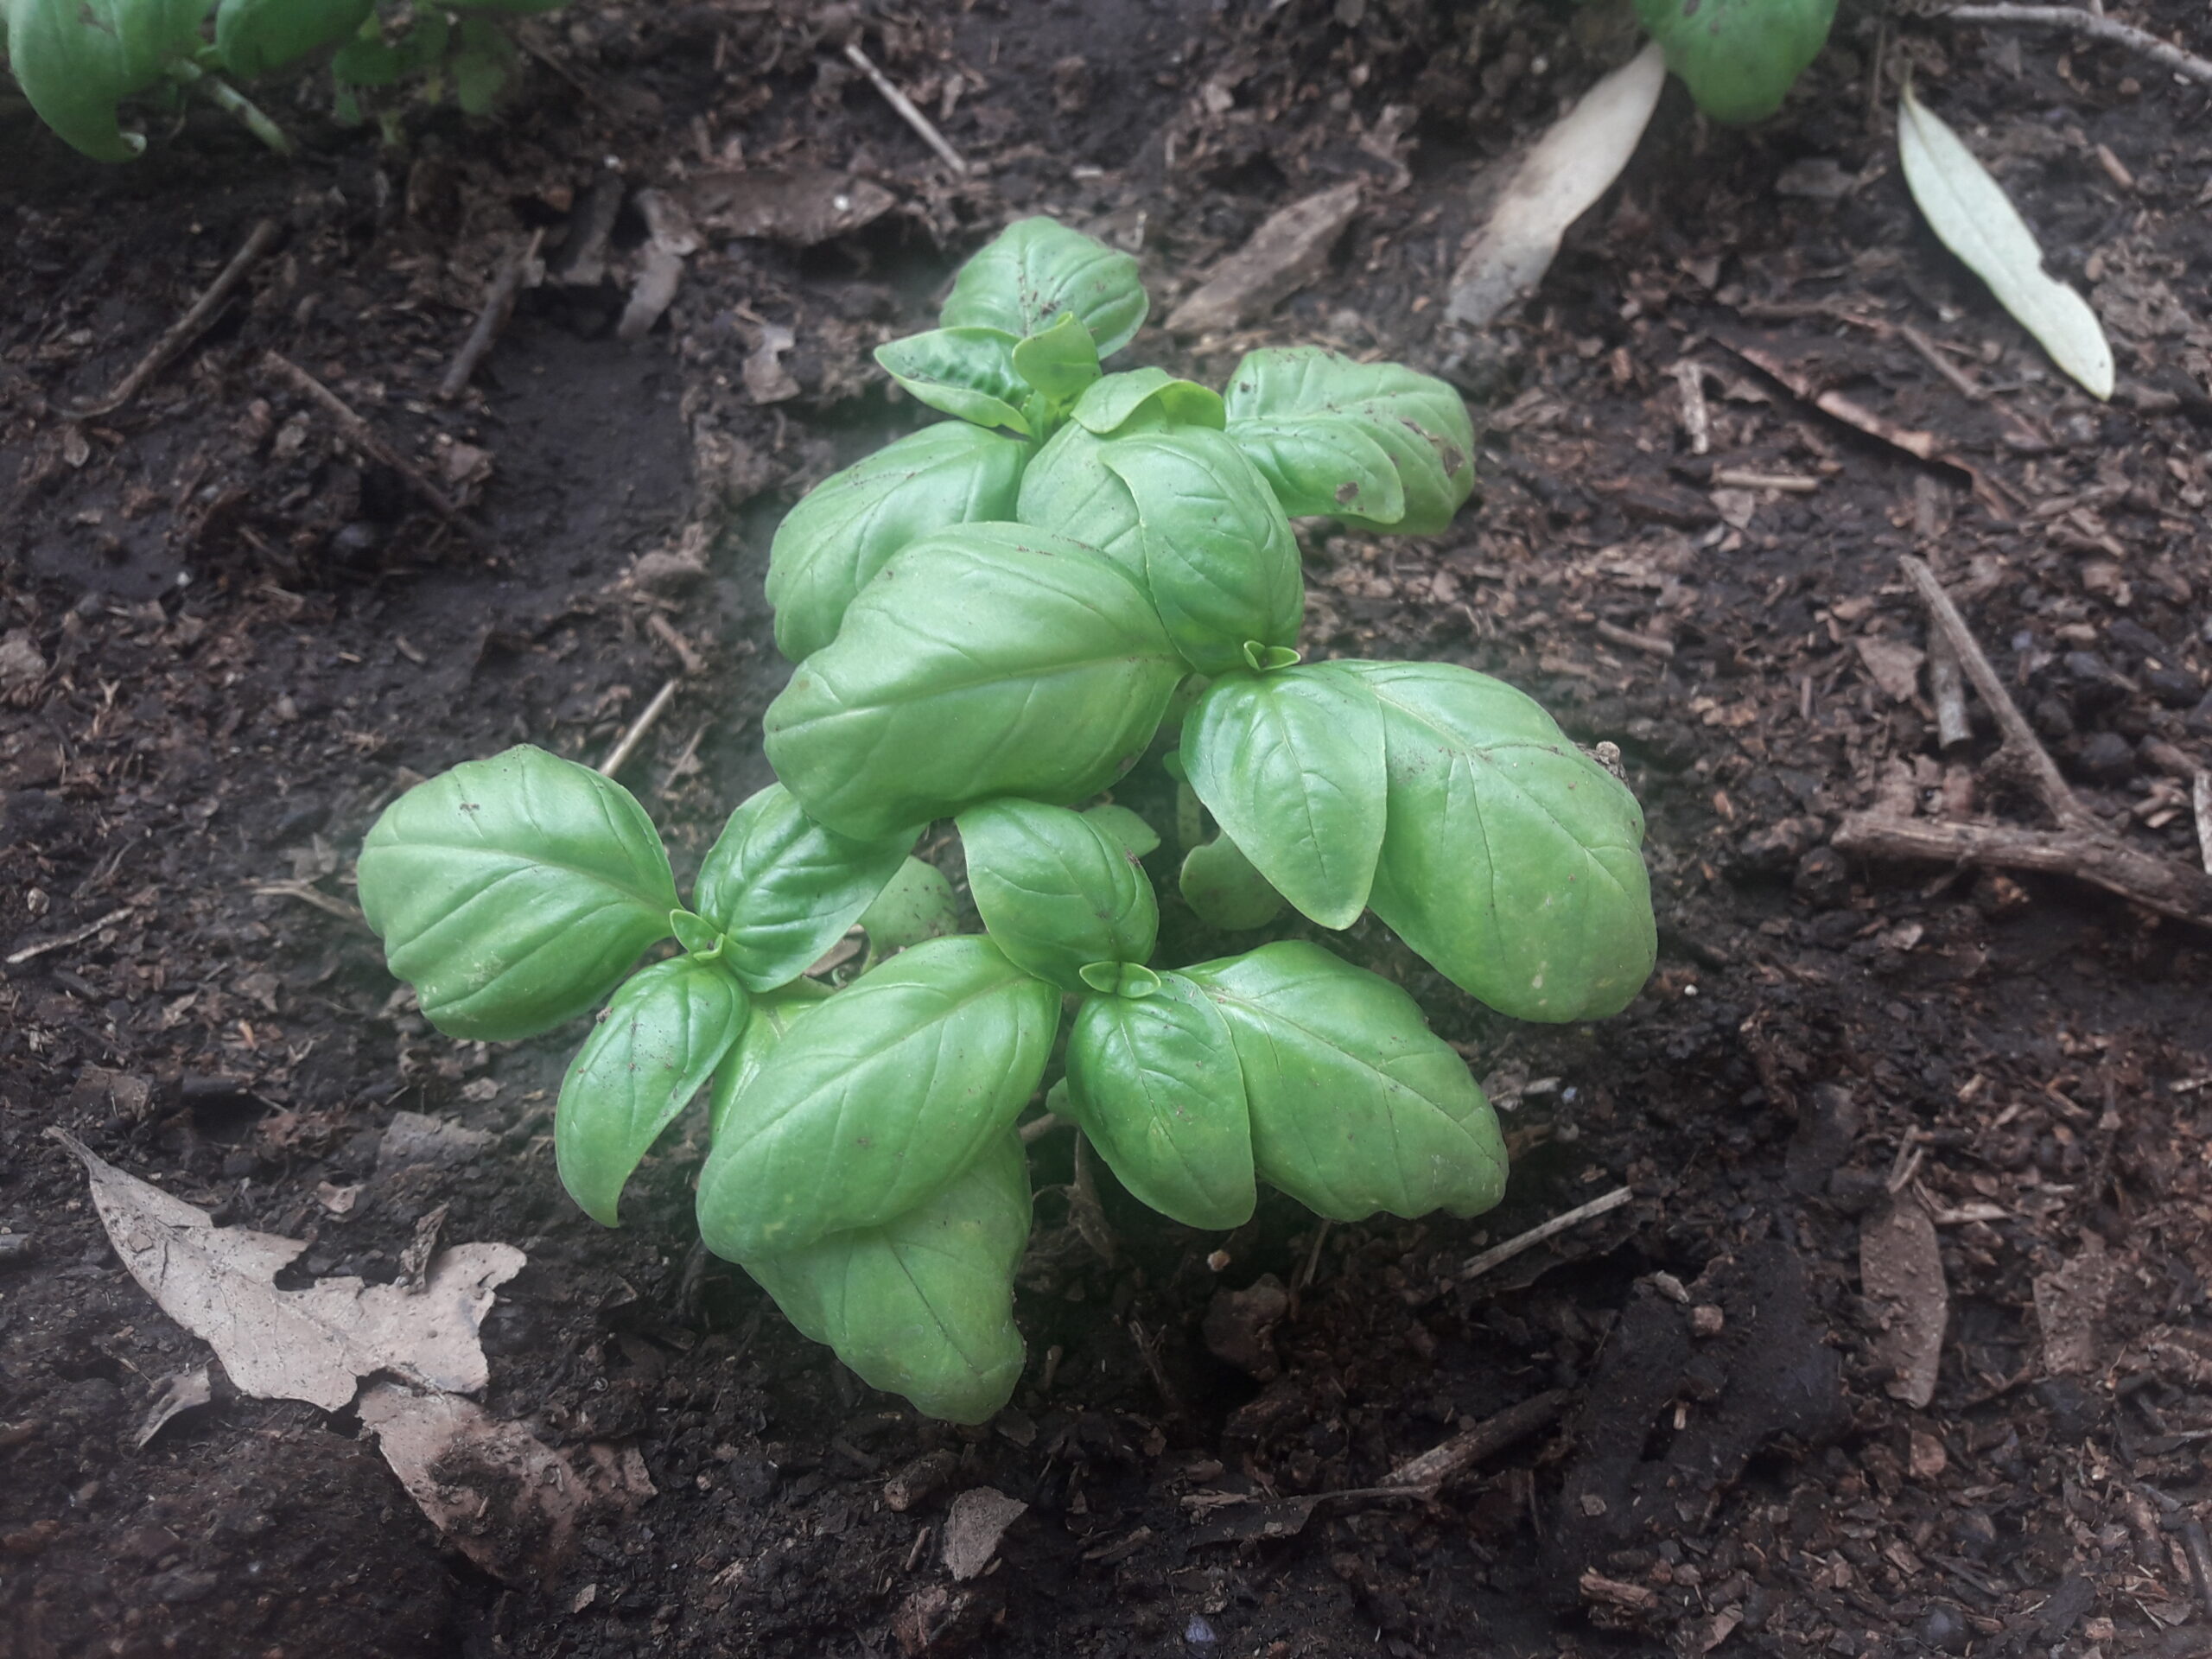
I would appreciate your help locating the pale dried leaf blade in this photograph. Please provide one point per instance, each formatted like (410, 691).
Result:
(312, 1344)
(1558, 182)
(507, 1500)
(1972, 216)
(1901, 1267)
(179, 1391)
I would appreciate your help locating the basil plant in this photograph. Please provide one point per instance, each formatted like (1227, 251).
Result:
(993, 620)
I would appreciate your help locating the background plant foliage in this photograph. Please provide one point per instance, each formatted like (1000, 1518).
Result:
(77, 61)
(994, 620)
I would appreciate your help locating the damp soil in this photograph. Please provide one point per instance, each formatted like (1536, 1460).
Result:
(230, 634)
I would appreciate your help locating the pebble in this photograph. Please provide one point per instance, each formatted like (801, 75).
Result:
(2107, 758)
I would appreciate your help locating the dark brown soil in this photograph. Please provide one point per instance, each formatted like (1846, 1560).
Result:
(231, 638)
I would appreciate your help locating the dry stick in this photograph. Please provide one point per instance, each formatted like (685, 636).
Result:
(499, 306)
(2078, 22)
(30, 952)
(2019, 737)
(361, 436)
(1961, 381)
(1493, 1434)
(899, 101)
(1535, 1235)
(190, 326)
(647, 718)
(2081, 847)
(1650, 644)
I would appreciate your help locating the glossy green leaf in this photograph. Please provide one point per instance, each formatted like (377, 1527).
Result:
(699, 937)
(1355, 1105)
(1069, 489)
(1144, 400)
(1033, 271)
(860, 1113)
(923, 1306)
(1739, 57)
(784, 889)
(1059, 362)
(991, 659)
(481, 67)
(1418, 420)
(963, 371)
(76, 59)
(1218, 882)
(661, 1037)
(1156, 1085)
(766, 1021)
(918, 904)
(369, 61)
(1138, 839)
(513, 893)
(1119, 979)
(1290, 765)
(1510, 858)
(255, 37)
(831, 544)
(1056, 892)
(1321, 466)
(1219, 559)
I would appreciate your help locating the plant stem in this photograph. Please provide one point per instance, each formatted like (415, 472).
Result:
(221, 94)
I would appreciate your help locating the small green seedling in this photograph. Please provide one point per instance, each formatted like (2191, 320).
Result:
(1740, 58)
(994, 619)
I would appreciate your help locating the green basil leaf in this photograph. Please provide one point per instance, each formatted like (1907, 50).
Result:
(1119, 979)
(1156, 1085)
(963, 371)
(76, 59)
(255, 37)
(1137, 838)
(1219, 558)
(1355, 1105)
(513, 893)
(365, 60)
(660, 1039)
(1740, 58)
(831, 544)
(1059, 362)
(1417, 419)
(1056, 892)
(1511, 860)
(1145, 400)
(1290, 764)
(991, 659)
(1069, 489)
(765, 1024)
(1036, 268)
(1219, 884)
(482, 66)
(1323, 465)
(784, 889)
(918, 904)
(922, 1306)
(854, 1118)
(699, 937)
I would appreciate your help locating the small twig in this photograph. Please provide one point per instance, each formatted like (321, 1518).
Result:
(1697, 418)
(904, 105)
(31, 952)
(1429, 1472)
(1962, 382)
(1952, 730)
(2200, 801)
(1650, 644)
(1512, 1246)
(190, 326)
(2097, 28)
(2171, 889)
(2027, 749)
(359, 433)
(2199, 1551)
(307, 893)
(1038, 1127)
(499, 306)
(1788, 483)
(665, 630)
(647, 718)
(1307, 1268)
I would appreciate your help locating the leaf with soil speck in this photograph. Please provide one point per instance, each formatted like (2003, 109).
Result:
(314, 1345)
(1974, 218)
